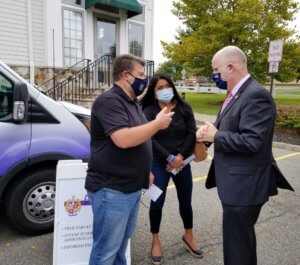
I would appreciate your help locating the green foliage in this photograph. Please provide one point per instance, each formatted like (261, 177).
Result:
(171, 68)
(288, 108)
(289, 69)
(288, 117)
(248, 24)
(205, 103)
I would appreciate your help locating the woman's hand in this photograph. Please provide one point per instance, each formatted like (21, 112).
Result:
(169, 167)
(178, 163)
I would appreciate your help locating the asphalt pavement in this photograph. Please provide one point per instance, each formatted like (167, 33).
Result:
(278, 228)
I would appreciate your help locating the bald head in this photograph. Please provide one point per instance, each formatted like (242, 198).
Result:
(231, 55)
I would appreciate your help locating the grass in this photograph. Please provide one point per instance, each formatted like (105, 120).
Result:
(205, 103)
(287, 101)
(288, 93)
(210, 104)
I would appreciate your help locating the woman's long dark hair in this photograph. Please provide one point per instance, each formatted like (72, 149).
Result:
(150, 98)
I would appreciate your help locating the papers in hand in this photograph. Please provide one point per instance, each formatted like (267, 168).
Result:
(186, 161)
(153, 192)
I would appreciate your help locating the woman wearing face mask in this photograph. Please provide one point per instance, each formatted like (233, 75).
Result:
(170, 147)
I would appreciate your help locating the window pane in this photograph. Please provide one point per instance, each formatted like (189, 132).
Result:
(66, 24)
(67, 52)
(78, 25)
(73, 47)
(73, 61)
(73, 44)
(67, 33)
(79, 35)
(67, 61)
(78, 17)
(136, 33)
(73, 34)
(73, 52)
(72, 15)
(6, 98)
(66, 14)
(67, 42)
(106, 34)
(79, 54)
(78, 44)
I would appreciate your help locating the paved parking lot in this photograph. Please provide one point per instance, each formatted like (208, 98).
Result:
(278, 228)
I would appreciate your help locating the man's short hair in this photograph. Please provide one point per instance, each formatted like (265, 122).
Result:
(233, 53)
(125, 63)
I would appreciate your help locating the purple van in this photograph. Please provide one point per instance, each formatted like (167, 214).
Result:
(35, 132)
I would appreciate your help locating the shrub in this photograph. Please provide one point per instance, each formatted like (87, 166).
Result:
(288, 117)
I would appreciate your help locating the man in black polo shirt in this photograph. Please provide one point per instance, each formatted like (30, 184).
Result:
(121, 155)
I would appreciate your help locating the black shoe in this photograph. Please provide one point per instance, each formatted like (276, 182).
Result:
(195, 252)
(156, 260)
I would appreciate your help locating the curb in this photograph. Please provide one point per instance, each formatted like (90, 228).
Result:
(289, 147)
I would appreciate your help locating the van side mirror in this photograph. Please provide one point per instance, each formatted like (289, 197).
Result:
(20, 102)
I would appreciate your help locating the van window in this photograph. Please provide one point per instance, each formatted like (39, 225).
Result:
(6, 98)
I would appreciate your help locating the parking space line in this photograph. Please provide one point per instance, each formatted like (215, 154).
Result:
(287, 156)
(172, 186)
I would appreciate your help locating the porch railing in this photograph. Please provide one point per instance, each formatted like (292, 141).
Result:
(93, 77)
(58, 77)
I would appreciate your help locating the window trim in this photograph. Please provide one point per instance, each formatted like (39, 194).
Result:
(67, 2)
(9, 118)
(63, 33)
(143, 15)
(143, 41)
(95, 32)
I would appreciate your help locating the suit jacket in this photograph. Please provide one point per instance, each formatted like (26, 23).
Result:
(243, 168)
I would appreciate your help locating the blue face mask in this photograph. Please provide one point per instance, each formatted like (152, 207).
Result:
(216, 77)
(138, 85)
(165, 95)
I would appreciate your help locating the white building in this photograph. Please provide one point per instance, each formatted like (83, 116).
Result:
(37, 36)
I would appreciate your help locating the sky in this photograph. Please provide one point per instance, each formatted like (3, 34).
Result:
(165, 25)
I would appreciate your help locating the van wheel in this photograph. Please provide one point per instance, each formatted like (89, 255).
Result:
(30, 202)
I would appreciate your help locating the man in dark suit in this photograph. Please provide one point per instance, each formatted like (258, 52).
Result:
(243, 169)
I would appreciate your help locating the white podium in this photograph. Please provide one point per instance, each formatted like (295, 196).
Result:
(73, 216)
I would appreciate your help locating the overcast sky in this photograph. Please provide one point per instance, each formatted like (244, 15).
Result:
(165, 25)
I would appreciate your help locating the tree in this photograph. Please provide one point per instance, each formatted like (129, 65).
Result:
(171, 68)
(248, 24)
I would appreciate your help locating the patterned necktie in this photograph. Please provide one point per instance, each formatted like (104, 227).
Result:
(227, 100)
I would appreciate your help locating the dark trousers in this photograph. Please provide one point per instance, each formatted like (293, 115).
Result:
(184, 185)
(239, 240)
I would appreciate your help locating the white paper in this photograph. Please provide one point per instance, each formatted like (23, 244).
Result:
(153, 192)
(188, 160)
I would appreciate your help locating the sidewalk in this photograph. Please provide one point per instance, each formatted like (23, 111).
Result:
(201, 118)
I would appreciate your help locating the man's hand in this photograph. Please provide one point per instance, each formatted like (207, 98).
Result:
(207, 133)
(151, 179)
(164, 118)
(200, 132)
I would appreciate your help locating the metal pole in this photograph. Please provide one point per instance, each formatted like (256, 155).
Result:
(53, 48)
(183, 95)
(271, 86)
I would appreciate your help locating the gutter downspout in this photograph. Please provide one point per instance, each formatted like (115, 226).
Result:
(30, 42)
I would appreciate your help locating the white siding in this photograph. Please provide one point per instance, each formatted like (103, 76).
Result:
(13, 32)
(38, 32)
(14, 48)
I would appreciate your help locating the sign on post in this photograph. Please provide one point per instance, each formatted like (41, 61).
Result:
(275, 56)
(73, 216)
(183, 73)
(273, 67)
(275, 51)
